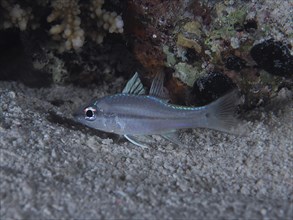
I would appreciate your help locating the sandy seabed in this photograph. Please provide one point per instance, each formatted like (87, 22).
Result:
(51, 168)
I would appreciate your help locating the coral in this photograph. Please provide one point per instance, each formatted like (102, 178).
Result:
(14, 15)
(73, 31)
(72, 21)
(106, 21)
(69, 30)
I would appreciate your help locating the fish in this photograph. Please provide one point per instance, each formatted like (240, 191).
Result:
(133, 113)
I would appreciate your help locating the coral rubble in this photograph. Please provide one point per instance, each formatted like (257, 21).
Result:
(220, 36)
(187, 38)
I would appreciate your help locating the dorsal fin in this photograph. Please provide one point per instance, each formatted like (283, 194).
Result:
(134, 86)
(157, 87)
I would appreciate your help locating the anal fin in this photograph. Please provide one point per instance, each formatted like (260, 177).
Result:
(173, 137)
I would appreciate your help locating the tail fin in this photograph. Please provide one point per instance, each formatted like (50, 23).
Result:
(221, 114)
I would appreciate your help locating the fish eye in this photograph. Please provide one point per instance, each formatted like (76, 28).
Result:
(90, 113)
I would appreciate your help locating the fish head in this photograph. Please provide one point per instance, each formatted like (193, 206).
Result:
(91, 115)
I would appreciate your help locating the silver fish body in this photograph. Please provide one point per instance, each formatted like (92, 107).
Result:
(134, 113)
(142, 115)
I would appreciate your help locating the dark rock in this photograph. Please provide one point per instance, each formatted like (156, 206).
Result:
(211, 87)
(191, 56)
(234, 63)
(238, 27)
(250, 25)
(274, 57)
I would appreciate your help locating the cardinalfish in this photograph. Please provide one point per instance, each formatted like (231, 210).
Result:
(133, 113)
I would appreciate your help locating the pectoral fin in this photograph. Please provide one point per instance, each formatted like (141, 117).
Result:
(134, 86)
